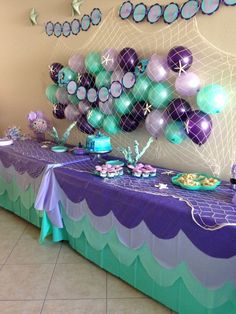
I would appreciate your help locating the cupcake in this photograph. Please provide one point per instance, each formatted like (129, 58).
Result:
(103, 174)
(121, 171)
(111, 173)
(153, 172)
(145, 173)
(137, 172)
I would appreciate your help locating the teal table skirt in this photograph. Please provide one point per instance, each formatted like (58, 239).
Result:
(176, 288)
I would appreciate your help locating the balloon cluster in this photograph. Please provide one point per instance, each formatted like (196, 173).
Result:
(116, 91)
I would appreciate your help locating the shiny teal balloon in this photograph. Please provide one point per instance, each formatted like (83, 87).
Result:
(103, 79)
(175, 133)
(111, 125)
(141, 88)
(73, 99)
(93, 63)
(160, 95)
(66, 75)
(50, 92)
(124, 104)
(212, 98)
(95, 118)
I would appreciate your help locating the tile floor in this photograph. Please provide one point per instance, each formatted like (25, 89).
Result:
(53, 278)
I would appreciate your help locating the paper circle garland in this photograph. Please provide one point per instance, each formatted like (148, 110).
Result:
(229, 2)
(103, 94)
(154, 13)
(128, 80)
(81, 93)
(126, 10)
(189, 9)
(92, 95)
(171, 13)
(57, 29)
(49, 28)
(72, 87)
(139, 12)
(85, 22)
(96, 16)
(66, 29)
(116, 89)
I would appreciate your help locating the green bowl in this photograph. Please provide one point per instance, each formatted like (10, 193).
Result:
(59, 149)
(115, 162)
(196, 188)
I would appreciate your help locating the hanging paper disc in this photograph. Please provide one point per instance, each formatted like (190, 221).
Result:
(103, 94)
(96, 16)
(49, 28)
(171, 13)
(154, 13)
(75, 26)
(92, 95)
(210, 6)
(81, 93)
(66, 29)
(57, 29)
(116, 89)
(139, 12)
(85, 23)
(129, 80)
(125, 10)
(72, 87)
(229, 2)
(189, 9)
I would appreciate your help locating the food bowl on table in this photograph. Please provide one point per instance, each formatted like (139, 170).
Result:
(196, 181)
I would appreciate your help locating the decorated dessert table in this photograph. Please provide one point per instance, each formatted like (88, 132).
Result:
(173, 244)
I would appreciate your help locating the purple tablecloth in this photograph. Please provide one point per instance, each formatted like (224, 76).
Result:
(165, 212)
(28, 156)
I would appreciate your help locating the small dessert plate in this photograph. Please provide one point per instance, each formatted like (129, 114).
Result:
(5, 142)
(59, 149)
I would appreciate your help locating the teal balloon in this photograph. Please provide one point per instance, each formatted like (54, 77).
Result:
(141, 88)
(212, 98)
(175, 133)
(111, 125)
(93, 63)
(73, 99)
(50, 92)
(103, 79)
(66, 75)
(124, 104)
(95, 118)
(160, 95)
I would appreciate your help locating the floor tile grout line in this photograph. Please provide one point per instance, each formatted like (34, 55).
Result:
(49, 284)
(18, 240)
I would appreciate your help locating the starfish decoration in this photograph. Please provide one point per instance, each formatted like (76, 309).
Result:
(33, 16)
(106, 59)
(181, 68)
(75, 4)
(51, 69)
(147, 109)
(187, 126)
(161, 186)
(79, 78)
(168, 172)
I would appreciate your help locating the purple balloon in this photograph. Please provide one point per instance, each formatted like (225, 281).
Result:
(62, 96)
(157, 69)
(128, 123)
(59, 111)
(179, 109)
(138, 112)
(198, 126)
(84, 126)
(117, 75)
(76, 63)
(128, 59)
(54, 69)
(187, 84)
(87, 80)
(84, 107)
(72, 112)
(156, 122)
(179, 57)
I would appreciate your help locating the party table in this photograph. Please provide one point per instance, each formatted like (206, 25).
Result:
(176, 246)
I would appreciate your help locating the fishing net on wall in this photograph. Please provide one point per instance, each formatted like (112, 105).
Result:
(210, 64)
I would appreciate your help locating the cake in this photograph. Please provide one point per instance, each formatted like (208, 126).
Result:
(98, 143)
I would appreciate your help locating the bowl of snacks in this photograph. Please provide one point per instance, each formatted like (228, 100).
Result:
(109, 171)
(196, 181)
(142, 171)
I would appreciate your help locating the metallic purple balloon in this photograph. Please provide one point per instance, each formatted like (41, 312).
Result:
(156, 122)
(76, 63)
(157, 69)
(179, 57)
(128, 123)
(59, 111)
(179, 109)
(72, 112)
(54, 69)
(187, 84)
(84, 126)
(128, 59)
(198, 126)
(138, 111)
(109, 59)
(87, 80)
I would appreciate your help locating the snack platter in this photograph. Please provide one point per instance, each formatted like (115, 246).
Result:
(196, 181)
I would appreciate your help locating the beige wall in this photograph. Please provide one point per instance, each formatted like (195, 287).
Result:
(26, 53)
